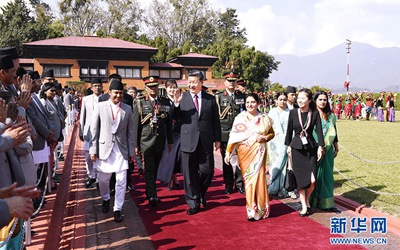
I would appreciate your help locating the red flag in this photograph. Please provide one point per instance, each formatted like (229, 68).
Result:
(226, 63)
(233, 64)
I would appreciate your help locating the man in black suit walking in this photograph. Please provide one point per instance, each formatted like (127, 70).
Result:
(200, 129)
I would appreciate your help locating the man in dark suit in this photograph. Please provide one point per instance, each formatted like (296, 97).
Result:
(152, 126)
(200, 129)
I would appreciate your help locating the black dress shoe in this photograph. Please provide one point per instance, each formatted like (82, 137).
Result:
(228, 190)
(106, 206)
(203, 200)
(192, 211)
(130, 187)
(241, 190)
(308, 211)
(335, 210)
(153, 201)
(117, 216)
(90, 182)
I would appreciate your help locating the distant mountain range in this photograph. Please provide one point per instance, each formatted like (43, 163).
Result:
(371, 69)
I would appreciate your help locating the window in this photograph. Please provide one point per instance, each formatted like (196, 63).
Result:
(166, 73)
(154, 72)
(129, 72)
(84, 71)
(59, 70)
(175, 74)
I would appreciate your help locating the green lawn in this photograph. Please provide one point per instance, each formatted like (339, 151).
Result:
(377, 142)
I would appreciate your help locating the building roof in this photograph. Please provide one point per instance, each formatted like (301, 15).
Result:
(196, 55)
(26, 61)
(166, 65)
(90, 41)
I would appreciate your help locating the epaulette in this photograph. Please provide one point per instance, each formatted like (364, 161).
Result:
(219, 92)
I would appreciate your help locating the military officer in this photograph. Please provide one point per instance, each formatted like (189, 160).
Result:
(153, 125)
(230, 103)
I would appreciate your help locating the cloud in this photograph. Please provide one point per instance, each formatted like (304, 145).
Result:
(317, 27)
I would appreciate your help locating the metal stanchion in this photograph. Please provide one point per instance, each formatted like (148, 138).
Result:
(28, 235)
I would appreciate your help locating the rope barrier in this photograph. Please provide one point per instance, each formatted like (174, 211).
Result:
(367, 160)
(44, 191)
(363, 187)
(10, 233)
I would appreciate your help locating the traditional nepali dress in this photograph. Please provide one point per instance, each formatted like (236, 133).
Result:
(277, 151)
(252, 160)
(322, 197)
(338, 109)
(392, 114)
(348, 109)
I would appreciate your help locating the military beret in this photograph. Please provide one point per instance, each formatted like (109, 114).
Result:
(241, 82)
(230, 75)
(150, 81)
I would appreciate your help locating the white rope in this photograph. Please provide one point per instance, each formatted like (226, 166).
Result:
(363, 187)
(10, 233)
(367, 160)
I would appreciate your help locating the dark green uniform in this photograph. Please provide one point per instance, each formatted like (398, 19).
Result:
(229, 107)
(153, 126)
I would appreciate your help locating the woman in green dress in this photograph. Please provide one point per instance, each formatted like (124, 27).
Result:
(322, 197)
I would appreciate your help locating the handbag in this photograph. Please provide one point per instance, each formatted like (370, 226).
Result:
(290, 179)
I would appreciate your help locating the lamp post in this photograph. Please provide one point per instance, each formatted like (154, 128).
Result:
(347, 82)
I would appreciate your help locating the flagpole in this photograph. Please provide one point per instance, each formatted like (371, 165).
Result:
(347, 82)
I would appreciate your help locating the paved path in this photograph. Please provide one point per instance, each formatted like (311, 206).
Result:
(85, 227)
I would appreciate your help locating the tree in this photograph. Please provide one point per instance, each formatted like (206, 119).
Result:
(228, 26)
(81, 17)
(180, 21)
(121, 20)
(45, 27)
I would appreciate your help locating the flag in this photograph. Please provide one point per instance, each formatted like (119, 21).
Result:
(226, 63)
(233, 64)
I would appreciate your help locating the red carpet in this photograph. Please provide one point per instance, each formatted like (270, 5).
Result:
(223, 224)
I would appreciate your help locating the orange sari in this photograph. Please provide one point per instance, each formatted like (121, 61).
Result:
(252, 160)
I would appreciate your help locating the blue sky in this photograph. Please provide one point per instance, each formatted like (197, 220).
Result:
(304, 27)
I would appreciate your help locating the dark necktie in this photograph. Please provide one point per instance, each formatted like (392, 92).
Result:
(196, 102)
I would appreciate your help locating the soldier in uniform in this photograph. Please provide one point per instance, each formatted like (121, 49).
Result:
(230, 103)
(153, 125)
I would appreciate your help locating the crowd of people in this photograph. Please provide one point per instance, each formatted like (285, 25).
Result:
(35, 114)
(356, 106)
(164, 136)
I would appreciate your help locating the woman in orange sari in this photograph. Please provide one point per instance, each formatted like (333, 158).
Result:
(250, 132)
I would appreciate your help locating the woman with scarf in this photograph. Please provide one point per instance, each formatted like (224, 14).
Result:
(250, 132)
(322, 197)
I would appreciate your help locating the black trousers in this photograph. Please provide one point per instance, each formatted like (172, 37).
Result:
(198, 171)
(151, 161)
(230, 178)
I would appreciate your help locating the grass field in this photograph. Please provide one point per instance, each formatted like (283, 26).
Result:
(374, 141)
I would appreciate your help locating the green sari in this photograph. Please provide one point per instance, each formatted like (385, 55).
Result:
(322, 197)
